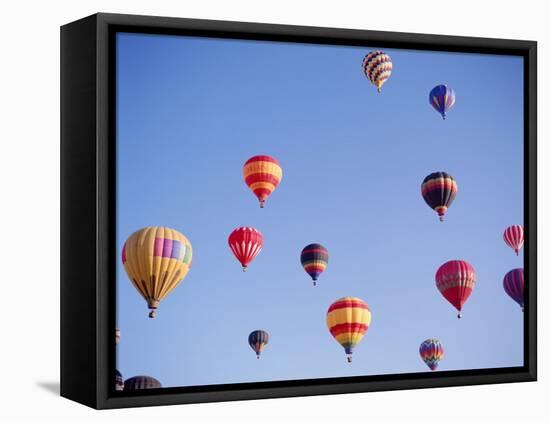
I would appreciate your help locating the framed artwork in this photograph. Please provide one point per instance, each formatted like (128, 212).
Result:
(259, 211)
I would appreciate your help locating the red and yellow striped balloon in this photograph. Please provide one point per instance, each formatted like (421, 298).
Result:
(348, 319)
(262, 174)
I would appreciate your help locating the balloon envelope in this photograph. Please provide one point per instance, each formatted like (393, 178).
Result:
(514, 284)
(348, 319)
(431, 351)
(314, 259)
(257, 340)
(513, 237)
(439, 190)
(442, 98)
(246, 243)
(377, 67)
(262, 174)
(138, 383)
(119, 381)
(156, 260)
(456, 280)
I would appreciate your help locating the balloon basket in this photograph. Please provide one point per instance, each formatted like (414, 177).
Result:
(349, 358)
(152, 314)
(244, 268)
(459, 316)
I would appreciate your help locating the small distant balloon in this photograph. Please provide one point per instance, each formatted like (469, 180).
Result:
(431, 351)
(456, 280)
(314, 259)
(439, 190)
(514, 284)
(258, 340)
(245, 243)
(262, 174)
(513, 237)
(117, 336)
(138, 383)
(442, 99)
(377, 67)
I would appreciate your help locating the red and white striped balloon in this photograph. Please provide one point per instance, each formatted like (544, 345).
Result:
(246, 243)
(513, 237)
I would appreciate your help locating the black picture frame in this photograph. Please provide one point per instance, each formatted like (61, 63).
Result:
(88, 201)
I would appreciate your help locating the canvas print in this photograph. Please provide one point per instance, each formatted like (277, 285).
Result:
(291, 211)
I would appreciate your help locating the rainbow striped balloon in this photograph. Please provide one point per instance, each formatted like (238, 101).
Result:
(314, 259)
(377, 67)
(138, 383)
(156, 260)
(348, 319)
(514, 284)
(513, 237)
(439, 190)
(262, 174)
(442, 98)
(431, 351)
(258, 340)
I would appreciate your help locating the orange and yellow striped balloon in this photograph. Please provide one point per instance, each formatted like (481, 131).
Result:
(156, 260)
(262, 174)
(348, 319)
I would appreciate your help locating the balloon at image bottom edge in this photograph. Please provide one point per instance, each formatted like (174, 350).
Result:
(138, 383)
(348, 319)
(156, 260)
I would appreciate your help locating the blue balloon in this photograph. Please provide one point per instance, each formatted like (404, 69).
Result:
(442, 98)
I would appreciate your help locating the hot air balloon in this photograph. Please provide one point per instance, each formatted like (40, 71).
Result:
(439, 189)
(257, 340)
(156, 260)
(314, 259)
(513, 237)
(138, 383)
(456, 280)
(377, 67)
(117, 335)
(119, 381)
(348, 319)
(246, 243)
(442, 98)
(262, 174)
(431, 351)
(513, 285)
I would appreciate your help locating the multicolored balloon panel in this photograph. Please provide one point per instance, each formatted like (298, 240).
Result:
(156, 260)
(246, 243)
(314, 259)
(262, 174)
(257, 340)
(442, 98)
(456, 280)
(513, 237)
(439, 190)
(514, 284)
(137, 383)
(377, 67)
(348, 319)
(431, 352)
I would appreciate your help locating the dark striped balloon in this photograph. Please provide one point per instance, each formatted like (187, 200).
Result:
(119, 381)
(314, 259)
(513, 284)
(138, 383)
(439, 190)
(257, 340)
(442, 98)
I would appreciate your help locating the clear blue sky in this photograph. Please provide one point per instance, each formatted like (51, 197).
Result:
(191, 111)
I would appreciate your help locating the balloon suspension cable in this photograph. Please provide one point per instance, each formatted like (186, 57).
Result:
(379, 89)
(314, 283)
(441, 218)
(261, 204)
(152, 314)
(444, 117)
(258, 356)
(517, 252)
(349, 358)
